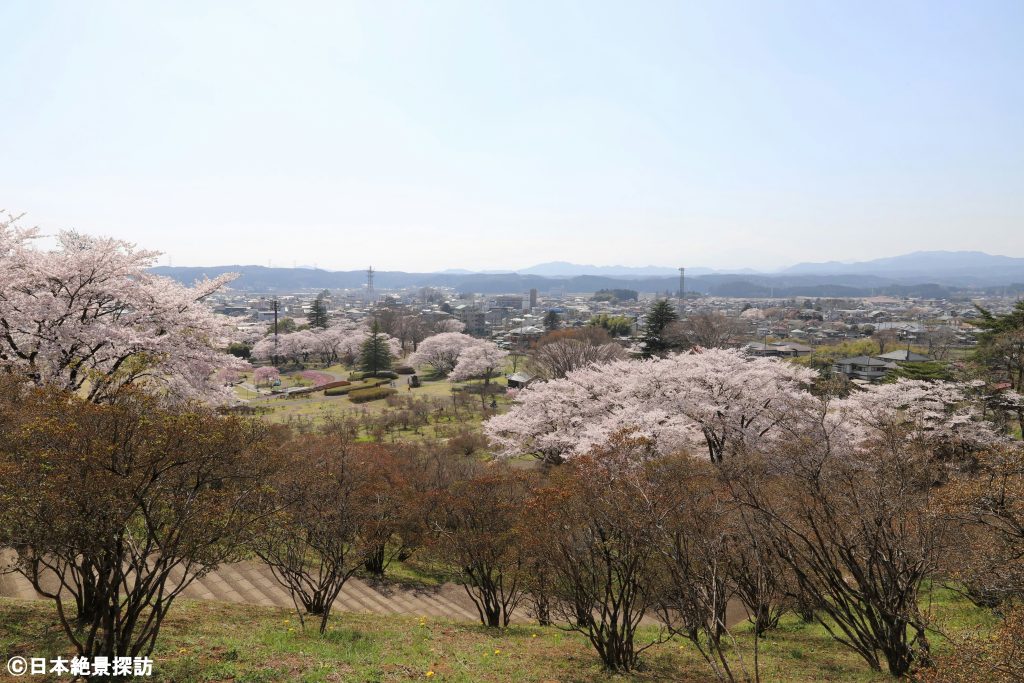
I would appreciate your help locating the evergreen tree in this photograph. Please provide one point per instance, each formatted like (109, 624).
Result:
(1001, 345)
(375, 355)
(551, 321)
(928, 371)
(317, 315)
(617, 325)
(659, 318)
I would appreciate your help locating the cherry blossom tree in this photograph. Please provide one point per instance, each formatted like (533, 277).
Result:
(341, 342)
(266, 349)
(725, 401)
(265, 375)
(232, 375)
(88, 316)
(441, 351)
(448, 325)
(715, 400)
(736, 400)
(480, 361)
(940, 415)
(298, 346)
(330, 343)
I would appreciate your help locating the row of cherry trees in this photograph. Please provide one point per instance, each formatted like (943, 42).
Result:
(840, 507)
(716, 400)
(341, 343)
(451, 354)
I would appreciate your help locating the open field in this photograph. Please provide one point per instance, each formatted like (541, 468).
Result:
(315, 408)
(212, 641)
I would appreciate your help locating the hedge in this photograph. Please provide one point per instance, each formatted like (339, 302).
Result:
(386, 374)
(405, 370)
(341, 391)
(377, 393)
(320, 387)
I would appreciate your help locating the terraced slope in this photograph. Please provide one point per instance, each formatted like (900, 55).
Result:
(252, 583)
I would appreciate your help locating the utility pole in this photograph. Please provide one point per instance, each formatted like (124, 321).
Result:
(275, 331)
(369, 284)
(682, 292)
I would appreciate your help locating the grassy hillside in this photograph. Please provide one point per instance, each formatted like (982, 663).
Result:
(206, 641)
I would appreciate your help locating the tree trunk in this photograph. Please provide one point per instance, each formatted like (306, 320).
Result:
(375, 561)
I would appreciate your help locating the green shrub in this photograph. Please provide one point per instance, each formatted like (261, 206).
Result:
(405, 370)
(369, 384)
(386, 374)
(373, 394)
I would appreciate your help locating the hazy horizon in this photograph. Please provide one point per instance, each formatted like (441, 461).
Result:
(455, 269)
(501, 135)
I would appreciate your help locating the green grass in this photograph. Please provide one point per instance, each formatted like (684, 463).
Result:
(417, 571)
(315, 408)
(208, 641)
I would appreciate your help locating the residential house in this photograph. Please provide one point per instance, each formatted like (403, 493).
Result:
(903, 356)
(863, 368)
(519, 380)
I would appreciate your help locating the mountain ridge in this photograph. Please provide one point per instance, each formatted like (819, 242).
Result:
(935, 272)
(914, 263)
(917, 263)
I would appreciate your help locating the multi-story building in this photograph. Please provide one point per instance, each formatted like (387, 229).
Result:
(474, 319)
(513, 301)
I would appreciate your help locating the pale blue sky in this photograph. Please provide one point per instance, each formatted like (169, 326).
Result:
(429, 135)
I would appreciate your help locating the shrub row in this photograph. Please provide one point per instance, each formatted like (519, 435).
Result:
(349, 387)
(320, 387)
(374, 394)
(386, 374)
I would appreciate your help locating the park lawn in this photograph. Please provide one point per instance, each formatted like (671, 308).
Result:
(209, 641)
(316, 407)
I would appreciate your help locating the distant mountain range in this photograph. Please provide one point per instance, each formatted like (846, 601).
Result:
(928, 264)
(923, 273)
(566, 269)
(966, 266)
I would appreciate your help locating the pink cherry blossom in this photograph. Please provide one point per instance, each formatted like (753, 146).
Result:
(479, 361)
(341, 342)
(441, 351)
(88, 316)
(713, 401)
(936, 413)
(265, 375)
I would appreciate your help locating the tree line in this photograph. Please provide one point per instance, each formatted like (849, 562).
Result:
(122, 504)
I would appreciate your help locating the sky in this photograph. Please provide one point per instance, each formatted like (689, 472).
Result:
(495, 135)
